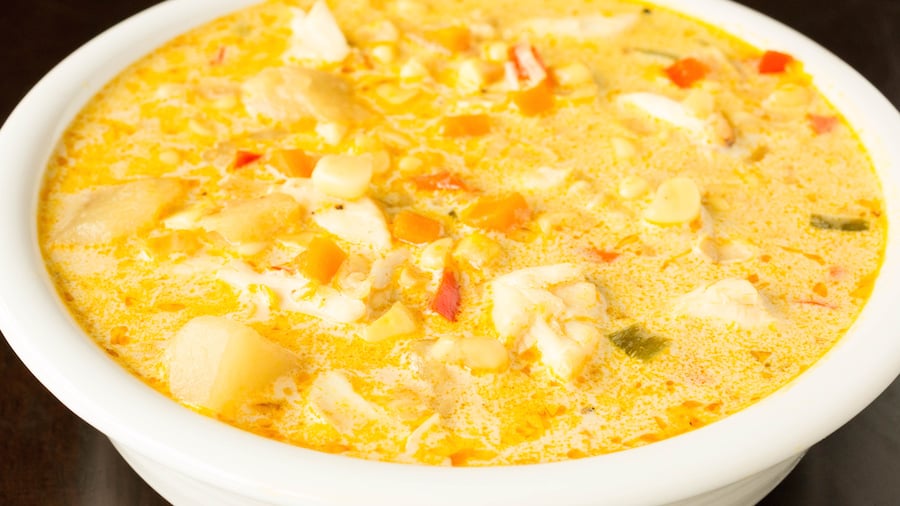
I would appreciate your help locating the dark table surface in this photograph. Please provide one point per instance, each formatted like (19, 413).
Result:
(48, 456)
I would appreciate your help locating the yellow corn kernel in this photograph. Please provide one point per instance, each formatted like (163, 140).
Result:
(633, 187)
(676, 201)
(477, 250)
(384, 53)
(573, 74)
(343, 176)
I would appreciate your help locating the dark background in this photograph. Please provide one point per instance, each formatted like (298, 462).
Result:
(50, 457)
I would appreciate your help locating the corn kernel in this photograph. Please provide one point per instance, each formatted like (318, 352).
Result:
(477, 250)
(343, 176)
(409, 164)
(414, 70)
(496, 52)
(332, 133)
(623, 148)
(384, 53)
(573, 74)
(395, 95)
(434, 256)
(633, 187)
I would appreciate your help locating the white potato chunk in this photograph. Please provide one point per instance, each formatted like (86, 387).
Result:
(252, 221)
(317, 36)
(217, 363)
(290, 94)
(582, 27)
(734, 301)
(332, 396)
(112, 212)
(359, 221)
(553, 308)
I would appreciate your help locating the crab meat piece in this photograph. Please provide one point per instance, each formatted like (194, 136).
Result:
(734, 301)
(317, 36)
(714, 130)
(333, 397)
(553, 309)
(295, 293)
(112, 212)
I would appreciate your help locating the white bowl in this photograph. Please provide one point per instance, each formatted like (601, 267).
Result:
(191, 459)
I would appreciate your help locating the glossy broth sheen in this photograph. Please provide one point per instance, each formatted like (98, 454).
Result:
(626, 225)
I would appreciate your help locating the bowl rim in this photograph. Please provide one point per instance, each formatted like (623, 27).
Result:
(97, 389)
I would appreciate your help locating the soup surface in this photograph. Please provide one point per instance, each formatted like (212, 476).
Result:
(463, 233)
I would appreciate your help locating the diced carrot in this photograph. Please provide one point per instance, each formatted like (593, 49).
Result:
(417, 229)
(452, 38)
(604, 256)
(822, 124)
(774, 62)
(686, 72)
(447, 298)
(293, 162)
(243, 158)
(820, 289)
(534, 100)
(321, 260)
(501, 213)
(440, 181)
(528, 63)
(465, 125)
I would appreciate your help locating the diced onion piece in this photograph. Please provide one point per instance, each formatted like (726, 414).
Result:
(398, 321)
(322, 259)
(216, 363)
(676, 201)
(317, 36)
(343, 176)
(500, 213)
(416, 229)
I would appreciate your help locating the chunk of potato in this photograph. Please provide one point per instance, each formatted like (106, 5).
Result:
(217, 363)
(252, 221)
(113, 212)
(290, 94)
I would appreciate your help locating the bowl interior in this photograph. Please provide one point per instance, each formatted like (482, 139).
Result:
(79, 373)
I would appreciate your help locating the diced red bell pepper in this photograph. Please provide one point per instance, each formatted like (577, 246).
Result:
(447, 298)
(774, 62)
(686, 72)
(243, 158)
